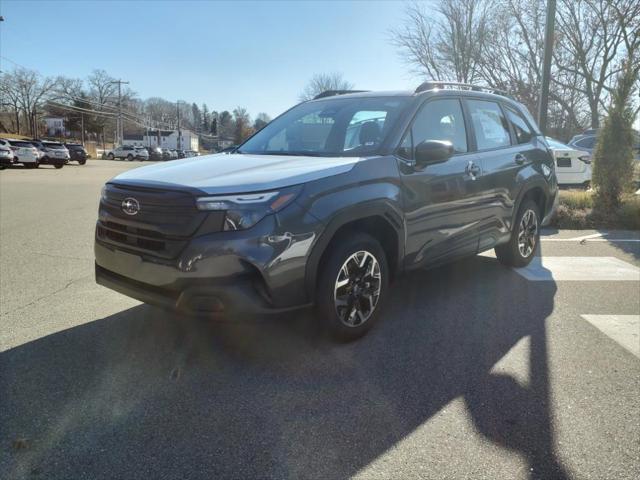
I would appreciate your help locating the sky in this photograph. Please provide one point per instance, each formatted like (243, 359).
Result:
(258, 55)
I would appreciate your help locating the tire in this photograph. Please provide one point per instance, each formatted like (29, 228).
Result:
(335, 304)
(82, 162)
(129, 158)
(59, 165)
(111, 156)
(525, 237)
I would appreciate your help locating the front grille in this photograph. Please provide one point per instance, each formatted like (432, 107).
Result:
(162, 227)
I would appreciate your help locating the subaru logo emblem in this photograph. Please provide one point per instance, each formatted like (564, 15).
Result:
(130, 206)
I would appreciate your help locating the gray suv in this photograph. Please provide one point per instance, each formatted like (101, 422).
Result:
(327, 204)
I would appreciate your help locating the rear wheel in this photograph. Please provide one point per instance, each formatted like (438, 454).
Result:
(352, 286)
(525, 237)
(59, 165)
(129, 158)
(111, 156)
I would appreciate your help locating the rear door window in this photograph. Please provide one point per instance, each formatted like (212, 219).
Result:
(490, 125)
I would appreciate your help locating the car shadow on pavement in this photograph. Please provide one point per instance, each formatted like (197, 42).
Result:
(146, 394)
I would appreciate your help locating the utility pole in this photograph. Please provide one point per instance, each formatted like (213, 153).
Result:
(82, 127)
(546, 65)
(119, 126)
(179, 133)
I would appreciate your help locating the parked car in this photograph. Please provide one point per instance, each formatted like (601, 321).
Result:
(587, 142)
(296, 219)
(24, 152)
(573, 167)
(584, 143)
(128, 152)
(155, 153)
(6, 154)
(77, 153)
(166, 154)
(52, 153)
(230, 149)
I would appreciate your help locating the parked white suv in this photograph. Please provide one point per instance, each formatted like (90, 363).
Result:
(129, 152)
(24, 152)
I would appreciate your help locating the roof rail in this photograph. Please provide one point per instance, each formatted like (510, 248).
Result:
(331, 93)
(433, 84)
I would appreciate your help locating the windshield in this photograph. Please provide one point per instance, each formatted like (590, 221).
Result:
(553, 143)
(333, 127)
(55, 146)
(20, 144)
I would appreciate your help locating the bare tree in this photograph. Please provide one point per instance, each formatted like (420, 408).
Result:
(242, 125)
(262, 119)
(595, 38)
(445, 42)
(321, 82)
(26, 91)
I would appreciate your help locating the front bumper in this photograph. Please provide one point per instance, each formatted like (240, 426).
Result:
(255, 271)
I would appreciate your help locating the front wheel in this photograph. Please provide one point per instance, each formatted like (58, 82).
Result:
(111, 156)
(59, 165)
(129, 158)
(82, 162)
(525, 237)
(352, 286)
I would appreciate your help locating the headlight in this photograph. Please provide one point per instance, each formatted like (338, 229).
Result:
(103, 194)
(245, 210)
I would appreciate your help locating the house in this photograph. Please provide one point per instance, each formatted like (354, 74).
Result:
(163, 139)
(55, 126)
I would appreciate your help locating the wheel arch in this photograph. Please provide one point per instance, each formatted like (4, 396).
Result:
(536, 190)
(379, 220)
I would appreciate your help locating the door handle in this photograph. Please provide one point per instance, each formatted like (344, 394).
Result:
(520, 158)
(472, 170)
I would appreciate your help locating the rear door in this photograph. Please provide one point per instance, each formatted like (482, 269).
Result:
(501, 157)
(439, 199)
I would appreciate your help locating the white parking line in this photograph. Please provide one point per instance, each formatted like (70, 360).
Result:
(589, 240)
(623, 329)
(545, 269)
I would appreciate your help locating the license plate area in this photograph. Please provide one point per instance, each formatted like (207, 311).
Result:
(563, 162)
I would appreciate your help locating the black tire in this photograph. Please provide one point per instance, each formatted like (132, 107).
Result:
(111, 156)
(516, 253)
(129, 158)
(359, 290)
(59, 165)
(82, 162)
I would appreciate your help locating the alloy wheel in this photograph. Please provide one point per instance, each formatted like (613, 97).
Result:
(528, 233)
(357, 288)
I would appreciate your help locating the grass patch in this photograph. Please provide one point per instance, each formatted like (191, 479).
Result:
(577, 211)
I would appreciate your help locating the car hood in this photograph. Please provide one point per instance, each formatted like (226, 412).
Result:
(236, 173)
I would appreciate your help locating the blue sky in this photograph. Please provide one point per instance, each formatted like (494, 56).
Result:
(255, 54)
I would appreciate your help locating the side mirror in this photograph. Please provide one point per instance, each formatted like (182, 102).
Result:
(433, 151)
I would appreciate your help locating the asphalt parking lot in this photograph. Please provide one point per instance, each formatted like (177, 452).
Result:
(476, 371)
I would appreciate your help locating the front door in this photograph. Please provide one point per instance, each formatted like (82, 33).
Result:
(439, 199)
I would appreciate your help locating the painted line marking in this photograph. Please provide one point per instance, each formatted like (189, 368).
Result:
(623, 329)
(580, 269)
(589, 240)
